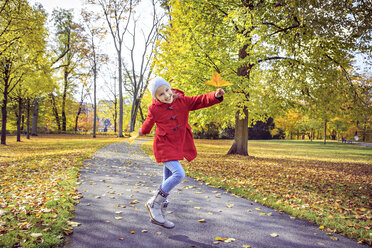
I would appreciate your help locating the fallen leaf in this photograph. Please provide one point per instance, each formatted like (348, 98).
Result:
(229, 240)
(144, 231)
(334, 238)
(132, 232)
(274, 235)
(36, 235)
(118, 218)
(220, 239)
(2, 213)
(73, 223)
(134, 202)
(201, 220)
(246, 246)
(321, 227)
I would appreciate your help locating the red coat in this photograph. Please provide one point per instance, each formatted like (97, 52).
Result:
(173, 136)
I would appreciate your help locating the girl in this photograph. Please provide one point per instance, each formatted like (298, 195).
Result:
(173, 138)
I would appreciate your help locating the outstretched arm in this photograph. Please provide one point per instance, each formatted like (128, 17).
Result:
(206, 100)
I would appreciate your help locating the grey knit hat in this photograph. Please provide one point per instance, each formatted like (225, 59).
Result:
(155, 84)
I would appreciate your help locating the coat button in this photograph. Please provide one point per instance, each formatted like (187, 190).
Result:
(173, 118)
(175, 128)
(170, 108)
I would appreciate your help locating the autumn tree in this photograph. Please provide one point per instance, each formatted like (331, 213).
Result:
(138, 69)
(358, 105)
(84, 92)
(110, 88)
(254, 43)
(67, 61)
(117, 14)
(289, 122)
(93, 35)
(22, 44)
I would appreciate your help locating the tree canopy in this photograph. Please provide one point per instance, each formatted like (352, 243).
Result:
(274, 52)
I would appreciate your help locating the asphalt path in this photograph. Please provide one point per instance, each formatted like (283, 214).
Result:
(118, 180)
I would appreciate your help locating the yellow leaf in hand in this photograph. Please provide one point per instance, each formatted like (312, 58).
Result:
(217, 81)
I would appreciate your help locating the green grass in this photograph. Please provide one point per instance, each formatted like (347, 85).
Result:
(38, 194)
(327, 184)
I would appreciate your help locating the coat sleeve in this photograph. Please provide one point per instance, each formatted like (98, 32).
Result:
(202, 101)
(148, 124)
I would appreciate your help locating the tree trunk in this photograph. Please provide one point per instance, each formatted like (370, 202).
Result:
(240, 145)
(141, 112)
(35, 116)
(120, 129)
(77, 118)
(4, 114)
(64, 97)
(115, 114)
(325, 131)
(22, 122)
(95, 100)
(19, 119)
(28, 118)
(133, 115)
(55, 110)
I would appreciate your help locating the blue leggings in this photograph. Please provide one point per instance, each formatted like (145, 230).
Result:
(173, 175)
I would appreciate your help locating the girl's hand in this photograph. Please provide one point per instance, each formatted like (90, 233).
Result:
(140, 133)
(219, 93)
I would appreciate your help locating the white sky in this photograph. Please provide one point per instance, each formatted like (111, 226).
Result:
(76, 5)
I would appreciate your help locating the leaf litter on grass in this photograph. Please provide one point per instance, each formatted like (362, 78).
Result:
(318, 189)
(38, 181)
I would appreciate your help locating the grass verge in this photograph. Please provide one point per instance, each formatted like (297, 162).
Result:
(38, 194)
(329, 185)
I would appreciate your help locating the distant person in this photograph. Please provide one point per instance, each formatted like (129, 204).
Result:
(173, 138)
